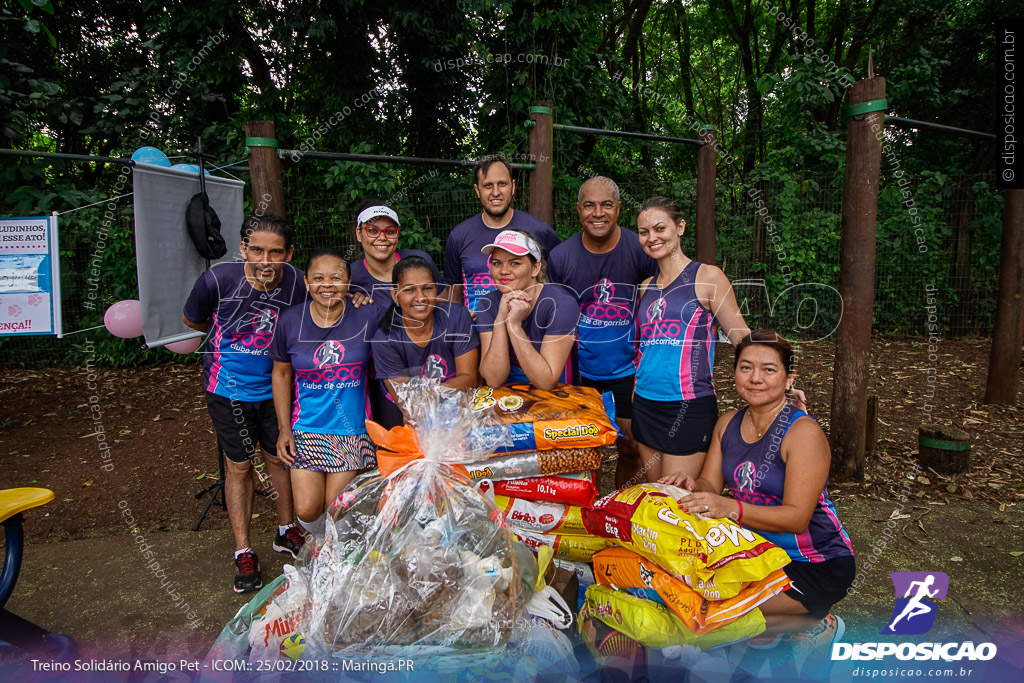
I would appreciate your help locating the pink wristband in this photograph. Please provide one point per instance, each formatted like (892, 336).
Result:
(739, 518)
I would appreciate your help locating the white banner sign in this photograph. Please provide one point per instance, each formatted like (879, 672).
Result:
(29, 276)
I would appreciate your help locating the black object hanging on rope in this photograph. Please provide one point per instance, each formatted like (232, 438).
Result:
(202, 221)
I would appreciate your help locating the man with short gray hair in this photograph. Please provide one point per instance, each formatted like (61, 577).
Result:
(605, 264)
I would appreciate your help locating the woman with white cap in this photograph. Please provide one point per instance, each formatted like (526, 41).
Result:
(377, 231)
(527, 327)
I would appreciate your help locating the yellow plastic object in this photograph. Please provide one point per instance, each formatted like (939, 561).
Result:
(13, 501)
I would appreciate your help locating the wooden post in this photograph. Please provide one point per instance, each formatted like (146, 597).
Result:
(541, 152)
(856, 282)
(265, 167)
(706, 184)
(946, 450)
(1008, 333)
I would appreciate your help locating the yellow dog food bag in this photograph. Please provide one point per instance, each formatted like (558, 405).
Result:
(654, 625)
(647, 519)
(579, 548)
(622, 568)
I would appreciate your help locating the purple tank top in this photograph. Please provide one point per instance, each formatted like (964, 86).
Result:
(756, 474)
(676, 341)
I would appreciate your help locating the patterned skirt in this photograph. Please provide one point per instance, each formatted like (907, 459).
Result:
(334, 452)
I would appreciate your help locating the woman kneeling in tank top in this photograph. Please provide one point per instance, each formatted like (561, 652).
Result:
(774, 458)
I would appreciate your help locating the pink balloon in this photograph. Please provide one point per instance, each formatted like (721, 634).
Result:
(124, 319)
(185, 345)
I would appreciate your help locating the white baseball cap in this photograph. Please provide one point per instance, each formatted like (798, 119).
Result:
(372, 212)
(515, 243)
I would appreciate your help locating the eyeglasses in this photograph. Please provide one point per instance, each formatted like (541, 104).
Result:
(390, 232)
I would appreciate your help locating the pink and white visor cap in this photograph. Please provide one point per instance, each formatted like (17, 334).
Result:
(514, 243)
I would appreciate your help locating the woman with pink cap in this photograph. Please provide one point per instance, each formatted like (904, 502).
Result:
(527, 326)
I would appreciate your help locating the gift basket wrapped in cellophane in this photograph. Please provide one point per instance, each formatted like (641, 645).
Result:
(417, 563)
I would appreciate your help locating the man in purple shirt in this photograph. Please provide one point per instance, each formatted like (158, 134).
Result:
(604, 264)
(464, 264)
(238, 305)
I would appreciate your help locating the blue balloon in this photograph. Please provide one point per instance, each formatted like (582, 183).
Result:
(191, 168)
(152, 156)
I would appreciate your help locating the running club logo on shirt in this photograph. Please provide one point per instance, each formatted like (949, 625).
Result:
(435, 367)
(329, 354)
(263, 322)
(657, 325)
(480, 283)
(914, 613)
(746, 478)
(330, 372)
(602, 308)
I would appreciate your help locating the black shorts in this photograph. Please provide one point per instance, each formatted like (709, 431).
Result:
(819, 585)
(675, 427)
(622, 392)
(241, 426)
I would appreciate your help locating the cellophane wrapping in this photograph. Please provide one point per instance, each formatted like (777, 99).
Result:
(420, 562)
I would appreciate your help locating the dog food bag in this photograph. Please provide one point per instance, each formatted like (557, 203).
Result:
(535, 464)
(543, 518)
(574, 488)
(654, 625)
(624, 569)
(537, 419)
(578, 548)
(647, 519)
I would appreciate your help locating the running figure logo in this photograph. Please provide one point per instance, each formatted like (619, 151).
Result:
(914, 612)
(656, 311)
(263, 321)
(329, 354)
(435, 367)
(745, 476)
(604, 291)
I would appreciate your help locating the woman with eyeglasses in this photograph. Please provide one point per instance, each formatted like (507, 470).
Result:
(377, 231)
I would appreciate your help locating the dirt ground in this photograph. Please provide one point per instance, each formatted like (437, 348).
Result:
(84, 577)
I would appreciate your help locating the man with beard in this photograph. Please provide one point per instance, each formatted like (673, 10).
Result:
(464, 264)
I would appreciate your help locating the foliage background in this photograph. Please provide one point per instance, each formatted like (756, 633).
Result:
(422, 79)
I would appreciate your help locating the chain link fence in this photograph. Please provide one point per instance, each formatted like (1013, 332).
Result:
(937, 235)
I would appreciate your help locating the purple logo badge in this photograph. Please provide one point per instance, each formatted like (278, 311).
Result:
(604, 291)
(745, 476)
(435, 368)
(656, 311)
(329, 354)
(916, 593)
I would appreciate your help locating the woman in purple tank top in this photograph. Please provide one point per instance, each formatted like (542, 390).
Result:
(775, 461)
(677, 317)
